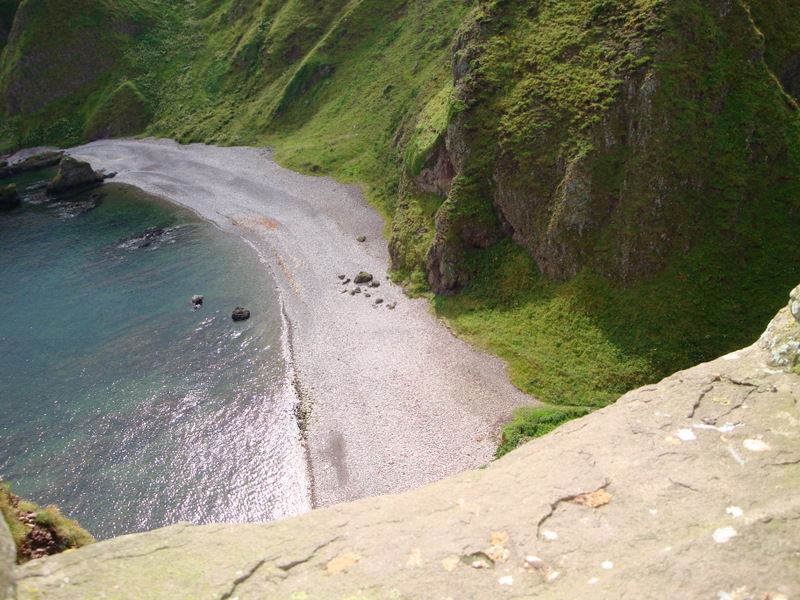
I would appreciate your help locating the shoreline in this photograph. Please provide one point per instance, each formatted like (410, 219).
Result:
(395, 400)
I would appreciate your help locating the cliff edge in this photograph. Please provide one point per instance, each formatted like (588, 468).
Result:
(683, 489)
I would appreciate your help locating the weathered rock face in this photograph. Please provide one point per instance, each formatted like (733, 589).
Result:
(73, 174)
(612, 147)
(687, 488)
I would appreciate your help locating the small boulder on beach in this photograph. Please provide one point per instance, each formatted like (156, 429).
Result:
(361, 239)
(240, 314)
(362, 277)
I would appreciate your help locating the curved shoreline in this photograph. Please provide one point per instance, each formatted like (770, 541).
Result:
(396, 400)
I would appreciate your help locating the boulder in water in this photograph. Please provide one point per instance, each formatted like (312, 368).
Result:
(240, 314)
(9, 197)
(197, 301)
(73, 174)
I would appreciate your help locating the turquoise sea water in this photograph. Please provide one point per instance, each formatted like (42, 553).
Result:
(120, 403)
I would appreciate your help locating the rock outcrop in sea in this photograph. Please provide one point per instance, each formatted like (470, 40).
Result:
(687, 488)
(73, 174)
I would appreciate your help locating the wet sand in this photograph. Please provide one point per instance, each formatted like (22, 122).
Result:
(395, 400)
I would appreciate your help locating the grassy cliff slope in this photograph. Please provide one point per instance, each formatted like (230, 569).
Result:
(600, 191)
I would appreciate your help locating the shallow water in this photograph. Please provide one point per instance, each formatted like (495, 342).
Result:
(120, 403)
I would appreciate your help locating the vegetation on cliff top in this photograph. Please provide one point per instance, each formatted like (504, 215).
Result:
(641, 154)
(37, 531)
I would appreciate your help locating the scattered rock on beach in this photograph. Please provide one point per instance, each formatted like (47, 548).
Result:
(362, 277)
(9, 197)
(374, 283)
(361, 239)
(240, 314)
(378, 300)
(346, 281)
(341, 277)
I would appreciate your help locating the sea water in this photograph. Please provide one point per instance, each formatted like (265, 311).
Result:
(119, 402)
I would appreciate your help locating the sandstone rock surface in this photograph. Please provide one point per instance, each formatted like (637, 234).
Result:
(683, 489)
(8, 556)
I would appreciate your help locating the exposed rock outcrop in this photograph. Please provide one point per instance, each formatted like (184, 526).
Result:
(73, 174)
(628, 166)
(687, 489)
(32, 163)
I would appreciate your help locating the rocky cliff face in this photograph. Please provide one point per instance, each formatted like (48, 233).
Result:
(687, 488)
(615, 136)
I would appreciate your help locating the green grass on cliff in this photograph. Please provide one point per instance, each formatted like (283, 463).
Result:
(65, 533)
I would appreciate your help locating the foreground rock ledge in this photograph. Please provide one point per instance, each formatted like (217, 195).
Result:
(684, 489)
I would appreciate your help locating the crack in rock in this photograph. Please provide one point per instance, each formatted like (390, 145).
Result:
(286, 567)
(699, 400)
(239, 580)
(554, 506)
(683, 485)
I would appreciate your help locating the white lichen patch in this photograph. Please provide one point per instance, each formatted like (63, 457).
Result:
(686, 435)
(607, 564)
(550, 536)
(593, 580)
(723, 535)
(507, 580)
(755, 445)
(734, 511)
(731, 356)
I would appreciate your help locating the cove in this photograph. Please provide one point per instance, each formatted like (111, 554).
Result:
(118, 402)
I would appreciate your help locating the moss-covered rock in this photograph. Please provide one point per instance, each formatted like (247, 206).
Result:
(73, 174)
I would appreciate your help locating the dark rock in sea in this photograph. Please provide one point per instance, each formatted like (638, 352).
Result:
(361, 239)
(105, 175)
(197, 301)
(240, 314)
(362, 277)
(9, 197)
(145, 238)
(37, 161)
(73, 174)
